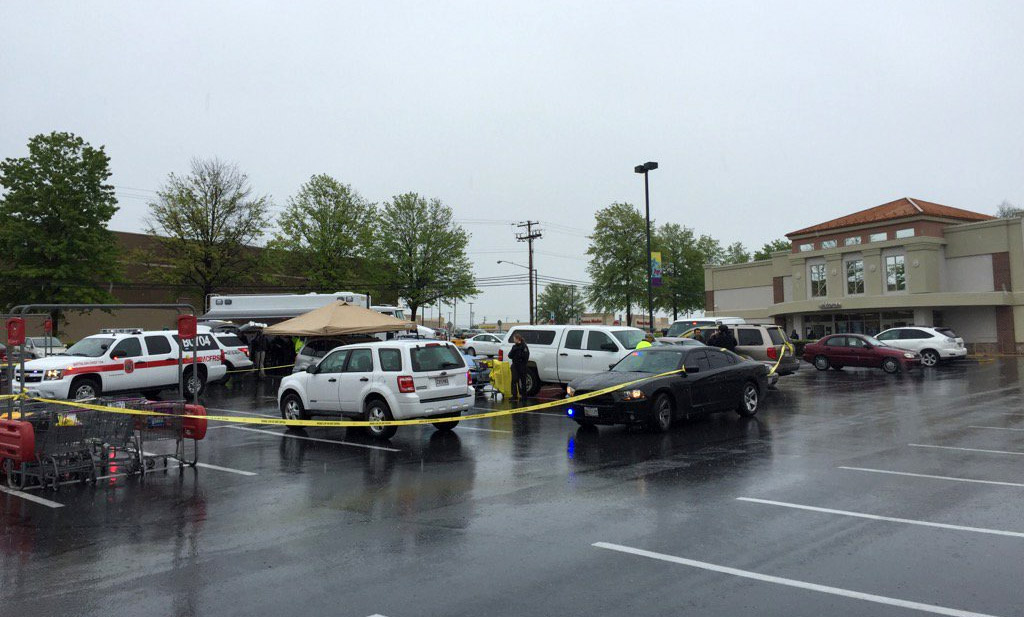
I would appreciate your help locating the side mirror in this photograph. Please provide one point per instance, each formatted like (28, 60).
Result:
(692, 369)
(609, 347)
(311, 369)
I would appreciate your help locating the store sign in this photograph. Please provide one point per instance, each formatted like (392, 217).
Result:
(830, 305)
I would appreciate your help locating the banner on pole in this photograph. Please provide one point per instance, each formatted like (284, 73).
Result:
(655, 269)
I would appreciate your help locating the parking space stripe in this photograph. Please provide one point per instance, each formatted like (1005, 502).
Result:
(247, 413)
(924, 475)
(890, 519)
(307, 438)
(487, 430)
(214, 467)
(532, 413)
(32, 498)
(998, 428)
(789, 582)
(924, 445)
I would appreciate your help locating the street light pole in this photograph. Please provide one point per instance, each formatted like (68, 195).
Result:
(644, 169)
(471, 315)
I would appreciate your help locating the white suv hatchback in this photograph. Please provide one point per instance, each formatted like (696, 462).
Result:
(385, 380)
(934, 344)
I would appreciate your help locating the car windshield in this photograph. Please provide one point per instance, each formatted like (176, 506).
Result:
(873, 341)
(629, 338)
(231, 340)
(90, 347)
(946, 332)
(647, 361)
(42, 341)
(778, 336)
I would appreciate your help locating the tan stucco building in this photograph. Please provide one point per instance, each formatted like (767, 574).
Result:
(905, 262)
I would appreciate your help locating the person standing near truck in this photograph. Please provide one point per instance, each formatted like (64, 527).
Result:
(519, 355)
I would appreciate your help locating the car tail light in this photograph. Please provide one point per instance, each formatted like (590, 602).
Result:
(773, 354)
(406, 385)
(501, 355)
(244, 350)
(469, 377)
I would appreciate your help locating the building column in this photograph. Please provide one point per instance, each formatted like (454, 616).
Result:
(923, 317)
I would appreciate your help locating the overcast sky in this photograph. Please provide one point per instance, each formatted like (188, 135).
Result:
(764, 116)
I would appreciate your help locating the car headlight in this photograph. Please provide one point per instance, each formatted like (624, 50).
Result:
(909, 355)
(570, 391)
(53, 374)
(632, 395)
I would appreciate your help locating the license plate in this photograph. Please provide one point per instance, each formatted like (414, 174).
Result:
(441, 381)
(590, 411)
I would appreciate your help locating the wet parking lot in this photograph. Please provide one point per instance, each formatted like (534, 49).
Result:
(850, 493)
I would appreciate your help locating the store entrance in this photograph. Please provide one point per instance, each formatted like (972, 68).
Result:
(818, 325)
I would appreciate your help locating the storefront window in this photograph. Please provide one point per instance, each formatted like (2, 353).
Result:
(852, 241)
(879, 237)
(905, 233)
(895, 273)
(819, 286)
(806, 247)
(828, 244)
(855, 277)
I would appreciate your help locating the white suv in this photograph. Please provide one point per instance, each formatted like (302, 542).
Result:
(122, 360)
(384, 380)
(934, 344)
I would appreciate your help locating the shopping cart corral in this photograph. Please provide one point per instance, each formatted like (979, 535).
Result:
(50, 443)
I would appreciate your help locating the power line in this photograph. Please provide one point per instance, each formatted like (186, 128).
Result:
(528, 237)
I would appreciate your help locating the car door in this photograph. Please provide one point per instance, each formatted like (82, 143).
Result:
(123, 356)
(323, 388)
(750, 342)
(835, 349)
(698, 374)
(913, 339)
(724, 388)
(161, 365)
(858, 352)
(599, 351)
(355, 380)
(489, 345)
(570, 356)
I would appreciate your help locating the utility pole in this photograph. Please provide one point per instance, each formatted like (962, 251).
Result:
(470, 314)
(528, 237)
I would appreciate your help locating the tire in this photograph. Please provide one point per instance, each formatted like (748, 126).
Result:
(662, 411)
(84, 387)
(292, 407)
(930, 357)
(890, 365)
(193, 386)
(471, 352)
(444, 427)
(821, 363)
(532, 382)
(376, 409)
(751, 400)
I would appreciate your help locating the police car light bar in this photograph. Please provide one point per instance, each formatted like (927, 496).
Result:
(121, 331)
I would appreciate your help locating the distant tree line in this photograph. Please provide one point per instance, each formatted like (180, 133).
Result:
(55, 245)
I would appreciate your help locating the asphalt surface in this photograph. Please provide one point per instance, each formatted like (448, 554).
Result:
(525, 515)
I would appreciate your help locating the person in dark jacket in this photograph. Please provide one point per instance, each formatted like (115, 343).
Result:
(723, 338)
(519, 355)
(258, 348)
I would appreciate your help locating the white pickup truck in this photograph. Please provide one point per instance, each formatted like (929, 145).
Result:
(559, 354)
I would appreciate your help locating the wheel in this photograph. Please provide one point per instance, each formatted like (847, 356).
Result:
(444, 426)
(821, 363)
(85, 387)
(378, 411)
(532, 382)
(751, 399)
(194, 384)
(929, 357)
(890, 365)
(292, 408)
(661, 414)
(471, 352)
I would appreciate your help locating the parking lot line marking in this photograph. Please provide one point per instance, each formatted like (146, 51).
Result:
(532, 413)
(488, 430)
(307, 438)
(924, 445)
(214, 467)
(890, 519)
(247, 413)
(32, 498)
(923, 475)
(998, 428)
(789, 582)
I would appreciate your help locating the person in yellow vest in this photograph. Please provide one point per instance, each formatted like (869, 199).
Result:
(647, 342)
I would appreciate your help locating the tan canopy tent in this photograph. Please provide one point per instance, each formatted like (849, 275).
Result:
(336, 319)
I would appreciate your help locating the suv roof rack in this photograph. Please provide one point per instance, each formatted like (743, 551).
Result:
(121, 331)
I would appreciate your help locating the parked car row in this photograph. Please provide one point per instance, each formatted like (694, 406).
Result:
(894, 350)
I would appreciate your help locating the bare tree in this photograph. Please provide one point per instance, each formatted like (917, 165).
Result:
(1007, 210)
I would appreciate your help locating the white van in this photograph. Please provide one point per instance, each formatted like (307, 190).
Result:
(559, 354)
(680, 326)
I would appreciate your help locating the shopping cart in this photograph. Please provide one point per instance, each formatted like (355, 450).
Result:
(169, 425)
(52, 443)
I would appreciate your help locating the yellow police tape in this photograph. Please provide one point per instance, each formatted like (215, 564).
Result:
(364, 423)
(266, 368)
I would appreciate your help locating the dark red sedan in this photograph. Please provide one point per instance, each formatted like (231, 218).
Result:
(839, 350)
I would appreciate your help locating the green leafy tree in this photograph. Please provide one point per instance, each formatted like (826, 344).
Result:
(710, 250)
(55, 207)
(618, 260)
(206, 224)
(424, 251)
(736, 253)
(565, 302)
(326, 234)
(682, 286)
(765, 252)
